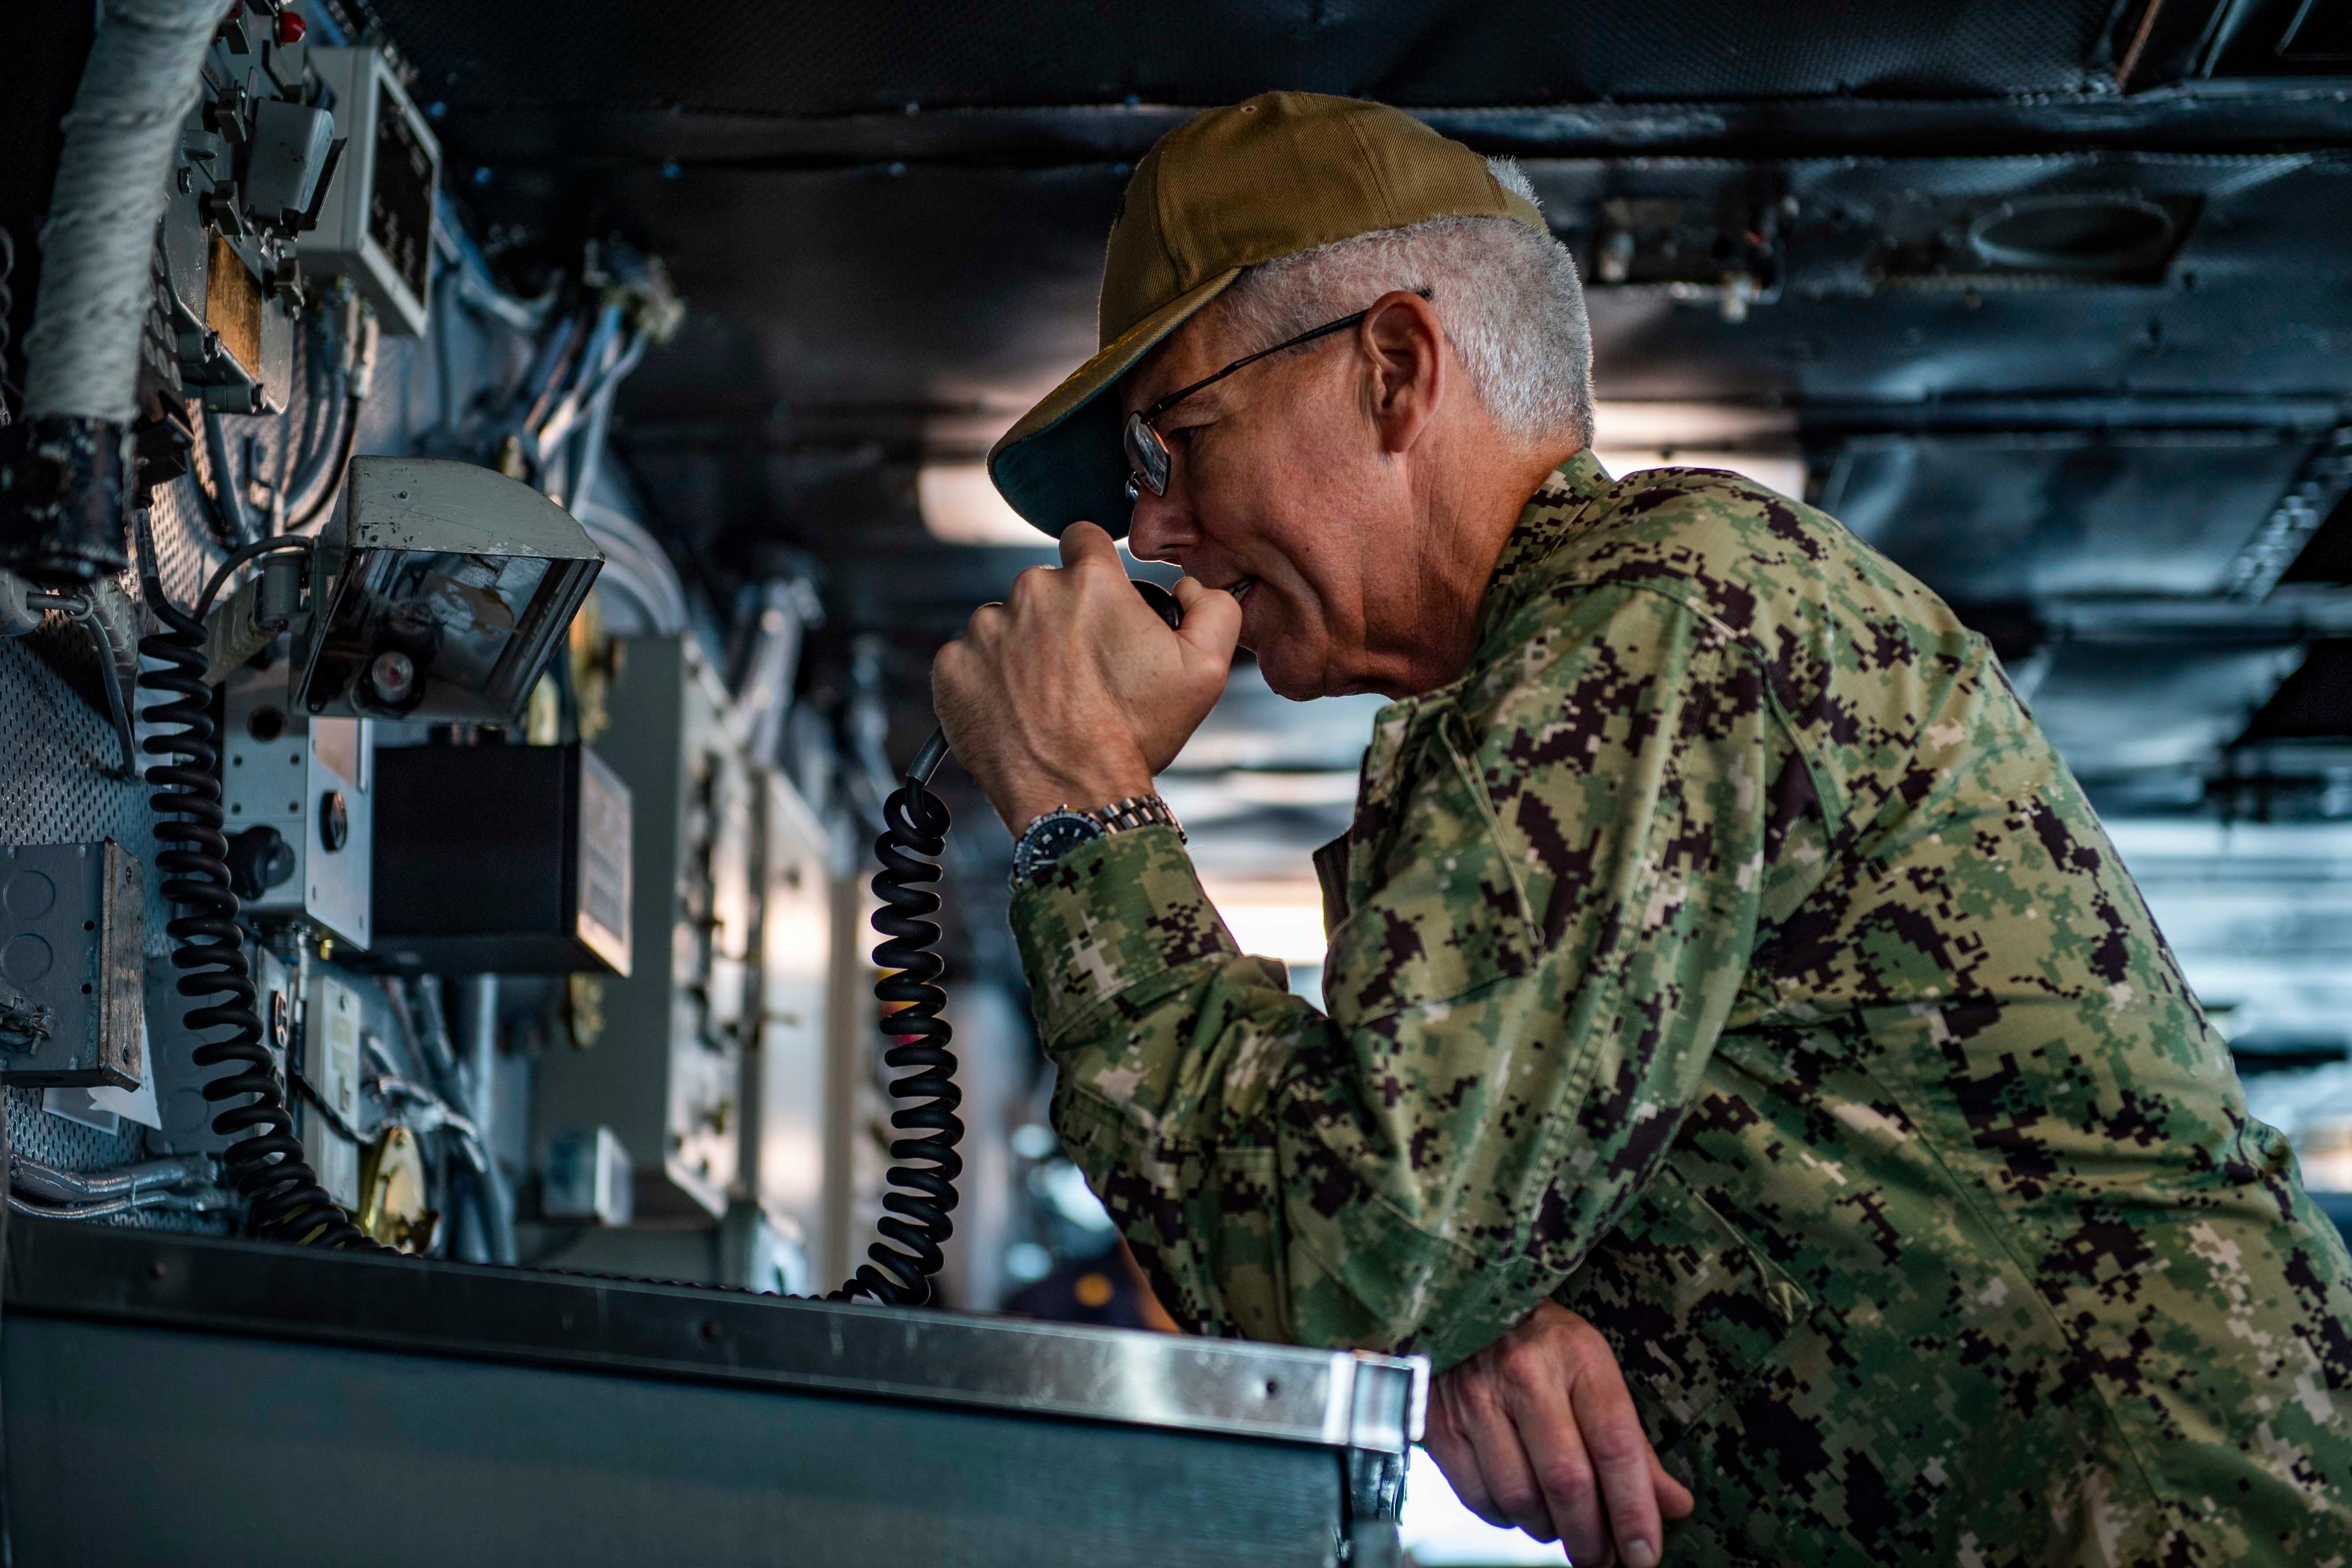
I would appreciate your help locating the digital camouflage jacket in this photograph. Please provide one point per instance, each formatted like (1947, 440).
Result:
(1727, 956)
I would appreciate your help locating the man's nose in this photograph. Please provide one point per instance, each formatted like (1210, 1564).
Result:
(1158, 526)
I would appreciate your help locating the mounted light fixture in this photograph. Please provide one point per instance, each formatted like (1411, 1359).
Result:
(440, 596)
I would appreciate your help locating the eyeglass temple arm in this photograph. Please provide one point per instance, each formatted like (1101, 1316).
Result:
(1324, 330)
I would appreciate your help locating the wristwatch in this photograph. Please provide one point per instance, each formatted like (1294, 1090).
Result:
(1046, 840)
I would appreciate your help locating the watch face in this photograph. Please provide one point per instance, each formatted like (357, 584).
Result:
(1049, 838)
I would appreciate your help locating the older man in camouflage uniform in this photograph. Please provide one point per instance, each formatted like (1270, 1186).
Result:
(1725, 972)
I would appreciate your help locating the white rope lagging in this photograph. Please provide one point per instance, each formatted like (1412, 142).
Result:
(142, 76)
(637, 567)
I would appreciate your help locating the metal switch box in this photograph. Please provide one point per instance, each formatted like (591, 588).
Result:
(375, 223)
(588, 1177)
(72, 922)
(300, 795)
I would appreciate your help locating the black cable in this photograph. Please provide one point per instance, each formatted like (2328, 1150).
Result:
(266, 1165)
(287, 543)
(914, 835)
(117, 709)
(227, 495)
(321, 433)
(319, 1104)
(567, 698)
(84, 614)
(326, 496)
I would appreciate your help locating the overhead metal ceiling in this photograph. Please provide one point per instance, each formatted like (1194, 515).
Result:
(2051, 295)
(808, 60)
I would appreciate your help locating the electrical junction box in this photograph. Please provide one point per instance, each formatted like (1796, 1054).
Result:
(500, 860)
(376, 224)
(301, 805)
(667, 1073)
(330, 1079)
(72, 925)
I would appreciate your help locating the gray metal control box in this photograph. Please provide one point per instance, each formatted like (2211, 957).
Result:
(72, 920)
(300, 798)
(376, 224)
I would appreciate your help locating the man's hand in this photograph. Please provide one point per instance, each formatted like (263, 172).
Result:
(1072, 691)
(1538, 1430)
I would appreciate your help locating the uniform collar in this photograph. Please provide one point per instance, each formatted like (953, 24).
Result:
(1561, 504)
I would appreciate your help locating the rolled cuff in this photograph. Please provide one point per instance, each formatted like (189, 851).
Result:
(1108, 917)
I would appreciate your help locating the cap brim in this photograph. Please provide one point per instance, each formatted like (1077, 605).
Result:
(1065, 461)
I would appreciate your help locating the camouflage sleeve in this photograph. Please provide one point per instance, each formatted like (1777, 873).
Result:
(1552, 889)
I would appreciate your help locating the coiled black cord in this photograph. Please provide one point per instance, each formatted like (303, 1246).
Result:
(921, 1195)
(266, 1165)
(914, 835)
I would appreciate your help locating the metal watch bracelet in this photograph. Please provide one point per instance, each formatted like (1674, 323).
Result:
(1136, 811)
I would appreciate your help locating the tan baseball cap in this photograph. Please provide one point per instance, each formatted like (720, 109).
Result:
(1280, 173)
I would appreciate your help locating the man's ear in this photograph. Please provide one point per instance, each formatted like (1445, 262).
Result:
(1410, 371)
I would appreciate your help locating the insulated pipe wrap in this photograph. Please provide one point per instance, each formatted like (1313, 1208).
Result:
(144, 72)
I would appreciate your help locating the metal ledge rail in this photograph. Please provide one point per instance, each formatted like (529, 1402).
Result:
(460, 1414)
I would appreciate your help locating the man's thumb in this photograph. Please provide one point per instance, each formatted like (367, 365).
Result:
(1082, 541)
(1212, 619)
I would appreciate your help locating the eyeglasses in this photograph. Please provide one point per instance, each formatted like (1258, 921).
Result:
(1147, 453)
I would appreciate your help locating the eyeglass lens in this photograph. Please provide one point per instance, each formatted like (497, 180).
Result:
(1146, 459)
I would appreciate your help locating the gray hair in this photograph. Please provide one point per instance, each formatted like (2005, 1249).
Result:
(1506, 296)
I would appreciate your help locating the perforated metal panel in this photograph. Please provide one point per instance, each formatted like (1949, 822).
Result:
(57, 786)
